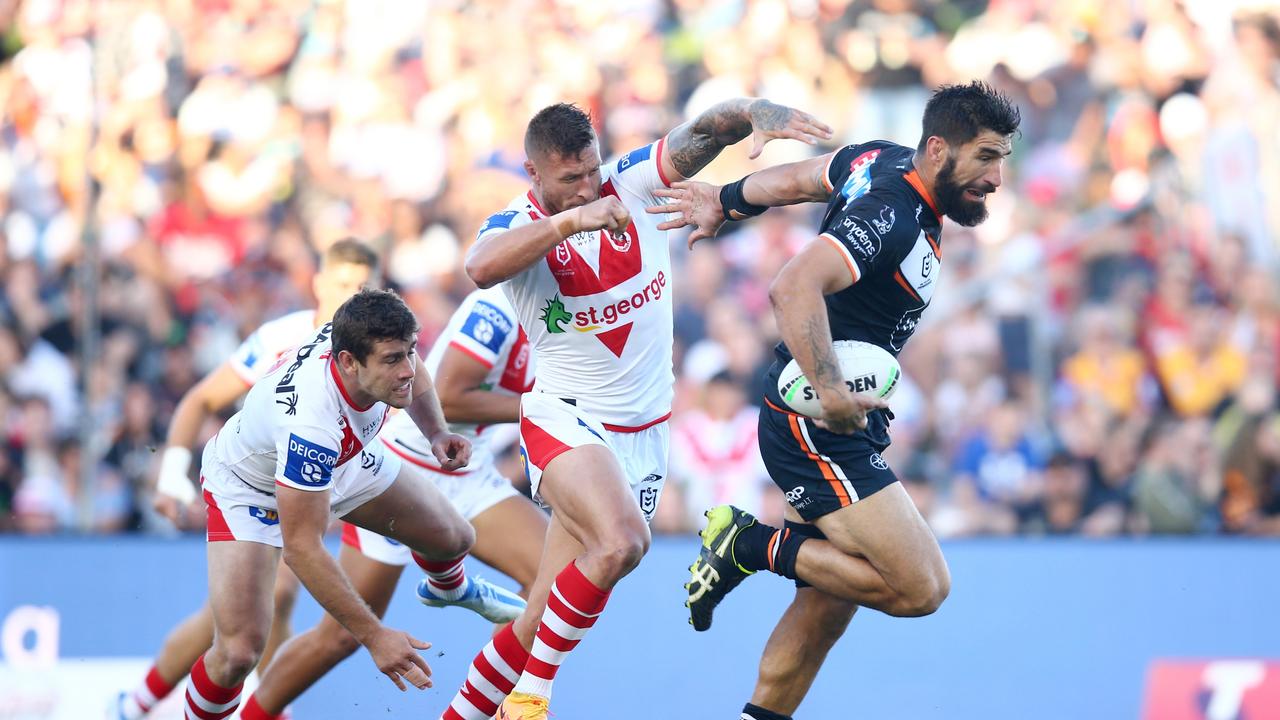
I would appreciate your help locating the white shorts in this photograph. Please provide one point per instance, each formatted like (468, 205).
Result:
(470, 493)
(550, 426)
(239, 511)
(375, 546)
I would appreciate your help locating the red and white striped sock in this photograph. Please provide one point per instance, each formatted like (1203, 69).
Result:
(572, 608)
(447, 578)
(253, 711)
(152, 690)
(491, 678)
(207, 700)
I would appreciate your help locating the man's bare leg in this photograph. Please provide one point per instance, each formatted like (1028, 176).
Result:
(306, 658)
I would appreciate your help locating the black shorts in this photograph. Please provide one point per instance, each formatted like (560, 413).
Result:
(818, 471)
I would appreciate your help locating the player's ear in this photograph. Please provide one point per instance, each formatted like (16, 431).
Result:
(936, 149)
(347, 361)
(531, 169)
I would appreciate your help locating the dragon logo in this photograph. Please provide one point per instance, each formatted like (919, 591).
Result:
(554, 315)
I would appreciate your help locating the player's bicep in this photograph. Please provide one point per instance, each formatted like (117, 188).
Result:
(306, 459)
(823, 264)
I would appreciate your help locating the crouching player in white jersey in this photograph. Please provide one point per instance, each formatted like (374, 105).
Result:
(345, 267)
(589, 275)
(480, 364)
(302, 451)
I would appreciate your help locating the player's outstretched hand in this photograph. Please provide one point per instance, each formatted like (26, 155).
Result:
(607, 213)
(451, 451)
(396, 655)
(846, 412)
(770, 121)
(696, 203)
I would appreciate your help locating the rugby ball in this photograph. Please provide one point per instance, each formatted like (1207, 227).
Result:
(867, 369)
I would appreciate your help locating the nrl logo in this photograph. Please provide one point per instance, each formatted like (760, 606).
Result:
(562, 253)
(554, 315)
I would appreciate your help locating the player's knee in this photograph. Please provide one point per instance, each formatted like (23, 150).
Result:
(242, 652)
(450, 543)
(623, 551)
(458, 541)
(924, 598)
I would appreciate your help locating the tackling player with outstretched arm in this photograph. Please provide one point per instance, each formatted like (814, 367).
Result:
(589, 276)
(345, 267)
(481, 364)
(852, 535)
(302, 451)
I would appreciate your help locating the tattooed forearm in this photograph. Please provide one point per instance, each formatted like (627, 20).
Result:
(696, 143)
(826, 368)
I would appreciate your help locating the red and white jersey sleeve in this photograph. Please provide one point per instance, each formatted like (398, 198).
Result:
(639, 172)
(598, 309)
(300, 428)
(258, 353)
(484, 327)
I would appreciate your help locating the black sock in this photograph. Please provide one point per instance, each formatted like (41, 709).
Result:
(764, 547)
(753, 712)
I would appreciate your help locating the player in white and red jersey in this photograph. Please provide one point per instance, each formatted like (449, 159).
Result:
(481, 364)
(300, 452)
(589, 275)
(345, 267)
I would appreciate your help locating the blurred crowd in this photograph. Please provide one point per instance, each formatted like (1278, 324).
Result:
(1101, 361)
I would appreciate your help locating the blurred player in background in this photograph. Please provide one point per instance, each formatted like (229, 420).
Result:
(589, 276)
(481, 364)
(852, 536)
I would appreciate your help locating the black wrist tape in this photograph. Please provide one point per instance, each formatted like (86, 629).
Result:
(734, 205)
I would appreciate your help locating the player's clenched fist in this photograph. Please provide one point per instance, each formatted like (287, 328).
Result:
(452, 451)
(607, 213)
(396, 655)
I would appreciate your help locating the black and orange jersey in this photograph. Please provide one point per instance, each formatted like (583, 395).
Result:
(888, 230)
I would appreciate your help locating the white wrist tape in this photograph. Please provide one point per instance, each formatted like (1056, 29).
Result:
(175, 481)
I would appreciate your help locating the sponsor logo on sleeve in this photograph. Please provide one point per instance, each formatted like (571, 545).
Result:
(635, 157)
(488, 326)
(498, 221)
(884, 223)
(309, 464)
(861, 241)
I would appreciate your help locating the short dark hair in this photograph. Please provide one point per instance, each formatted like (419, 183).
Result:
(368, 317)
(958, 113)
(349, 251)
(564, 129)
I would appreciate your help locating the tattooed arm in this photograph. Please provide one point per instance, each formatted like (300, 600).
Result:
(801, 313)
(694, 144)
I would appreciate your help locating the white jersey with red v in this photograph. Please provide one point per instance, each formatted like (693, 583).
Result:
(485, 328)
(597, 308)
